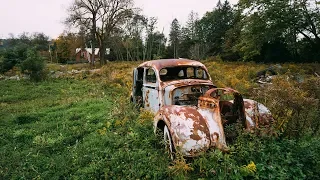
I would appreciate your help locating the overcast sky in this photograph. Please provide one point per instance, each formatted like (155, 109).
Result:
(17, 16)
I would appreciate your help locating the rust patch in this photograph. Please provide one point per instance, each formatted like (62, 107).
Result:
(199, 123)
(195, 136)
(163, 63)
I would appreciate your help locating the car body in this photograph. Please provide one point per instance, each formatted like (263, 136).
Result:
(190, 110)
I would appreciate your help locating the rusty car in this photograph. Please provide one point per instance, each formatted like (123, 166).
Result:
(189, 109)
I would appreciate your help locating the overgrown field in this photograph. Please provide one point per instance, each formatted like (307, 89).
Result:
(83, 127)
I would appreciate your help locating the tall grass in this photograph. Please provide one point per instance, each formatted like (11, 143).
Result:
(76, 128)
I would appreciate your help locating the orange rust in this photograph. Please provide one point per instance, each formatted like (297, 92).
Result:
(190, 113)
(195, 136)
(163, 63)
(199, 122)
(225, 91)
(181, 83)
(205, 102)
(209, 108)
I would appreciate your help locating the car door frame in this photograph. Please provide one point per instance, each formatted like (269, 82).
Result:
(150, 92)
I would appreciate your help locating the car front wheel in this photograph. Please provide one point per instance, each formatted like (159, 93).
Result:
(168, 142)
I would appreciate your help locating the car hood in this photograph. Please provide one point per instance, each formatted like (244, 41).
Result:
(185, 82)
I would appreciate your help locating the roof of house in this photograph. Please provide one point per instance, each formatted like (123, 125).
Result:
(89, 50)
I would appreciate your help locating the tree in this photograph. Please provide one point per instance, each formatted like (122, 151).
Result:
(13, 55)
(101, 17)
(156, 43)
(33, 65)
(150, 27)
(212, 28)
(40, 41)
(15, 51)
(281, 22)
(191, 25)
(66, 45)
(189, 40)
(86, 13)
(114, 14)
(174, 36)
(133, 36)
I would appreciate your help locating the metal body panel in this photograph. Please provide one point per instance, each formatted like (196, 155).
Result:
(257, 114)
(151, 99)
(194, 110)
(189, 131)
(134, 86)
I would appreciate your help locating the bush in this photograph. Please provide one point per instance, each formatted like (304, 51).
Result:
(12, 56)
(34, 65)
(295, 106)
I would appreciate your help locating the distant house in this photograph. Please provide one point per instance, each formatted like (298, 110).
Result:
(83, 54)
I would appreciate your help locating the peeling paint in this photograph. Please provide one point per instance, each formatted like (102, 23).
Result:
(195, 111)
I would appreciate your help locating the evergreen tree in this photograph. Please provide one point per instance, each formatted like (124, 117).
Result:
(175, 34)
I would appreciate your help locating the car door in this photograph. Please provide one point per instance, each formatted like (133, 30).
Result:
(150, 90)
(137, 86)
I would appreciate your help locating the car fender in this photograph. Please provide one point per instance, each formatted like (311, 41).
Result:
(189, 129)
(257, 114)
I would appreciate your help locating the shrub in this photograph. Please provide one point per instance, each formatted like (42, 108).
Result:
(6, 64)
(34, 65)
(295, 106)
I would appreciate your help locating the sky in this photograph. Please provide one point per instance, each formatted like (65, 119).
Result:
(47, 16)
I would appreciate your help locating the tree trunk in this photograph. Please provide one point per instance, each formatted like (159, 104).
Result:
(102, 53)
(93, 38)
(174, 50)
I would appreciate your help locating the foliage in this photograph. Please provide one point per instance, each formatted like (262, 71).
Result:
(101, 18)
(175, 35)
(33, 65)
(213, 26)
(66, 45)
(296, 106)
(255, 30)
(14, 51)
(38, 40)
(252, 30)
(87, 129)
(272, 22)
(10, 57)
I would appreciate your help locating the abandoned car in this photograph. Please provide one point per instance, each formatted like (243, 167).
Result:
(189, 109)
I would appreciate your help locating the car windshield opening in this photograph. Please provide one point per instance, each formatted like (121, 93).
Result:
(183, 72)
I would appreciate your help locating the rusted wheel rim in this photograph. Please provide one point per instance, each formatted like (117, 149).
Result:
(168, 142)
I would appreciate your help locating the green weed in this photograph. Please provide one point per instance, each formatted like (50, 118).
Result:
(71, 128)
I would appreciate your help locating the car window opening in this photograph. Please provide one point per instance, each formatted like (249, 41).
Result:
(183, 72)
(151, 76)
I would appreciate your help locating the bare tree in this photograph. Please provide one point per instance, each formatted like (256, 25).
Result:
(114, 14)
(101, 17)
(85, 13)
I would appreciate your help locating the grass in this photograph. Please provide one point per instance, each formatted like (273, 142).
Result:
(57, 129)
(85, 128)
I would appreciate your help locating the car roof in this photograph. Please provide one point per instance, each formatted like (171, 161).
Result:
(163, 63)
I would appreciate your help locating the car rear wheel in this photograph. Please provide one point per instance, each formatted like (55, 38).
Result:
(168, 142)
